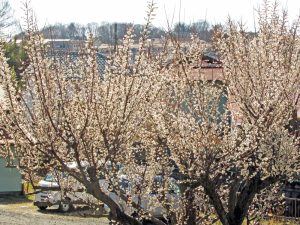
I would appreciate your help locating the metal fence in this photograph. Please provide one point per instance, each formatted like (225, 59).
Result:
(290, 212)
(292, 207)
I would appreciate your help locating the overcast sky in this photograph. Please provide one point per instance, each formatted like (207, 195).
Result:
(85, 11)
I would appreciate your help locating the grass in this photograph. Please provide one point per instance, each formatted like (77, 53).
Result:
(271, 222)
(28, 188)
(277, 222)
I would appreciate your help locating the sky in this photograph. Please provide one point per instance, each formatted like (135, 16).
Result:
(188, 11)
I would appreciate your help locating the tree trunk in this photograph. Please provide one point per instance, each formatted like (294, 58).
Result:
(244, 200)
(210, 190)
(191, 212)
(237, 218)
(116, 212)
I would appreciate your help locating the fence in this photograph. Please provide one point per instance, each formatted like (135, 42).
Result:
(292, 207)
(291, 211)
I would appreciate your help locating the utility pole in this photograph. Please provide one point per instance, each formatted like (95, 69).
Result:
(115, 37)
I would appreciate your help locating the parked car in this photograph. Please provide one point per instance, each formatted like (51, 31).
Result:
(50, 193)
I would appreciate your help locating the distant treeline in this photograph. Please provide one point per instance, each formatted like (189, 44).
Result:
(105, 32)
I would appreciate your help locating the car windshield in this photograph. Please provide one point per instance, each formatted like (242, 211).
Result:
(173, 185)
(174, 188)
(49, 178)
(124, 184)
(54, 176)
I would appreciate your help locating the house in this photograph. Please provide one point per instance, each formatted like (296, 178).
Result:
(65, 44)
(10, 179)
(10, 176)
(61, 56)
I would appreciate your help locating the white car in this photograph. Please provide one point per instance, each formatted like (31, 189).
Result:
(50, 194)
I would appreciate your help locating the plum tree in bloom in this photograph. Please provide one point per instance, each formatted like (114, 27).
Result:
(67, 112)
(160, 117)
(235, 154)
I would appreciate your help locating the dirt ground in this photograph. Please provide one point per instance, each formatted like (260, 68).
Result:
(20, 211)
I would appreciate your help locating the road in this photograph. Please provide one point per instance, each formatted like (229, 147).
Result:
(24, 213)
